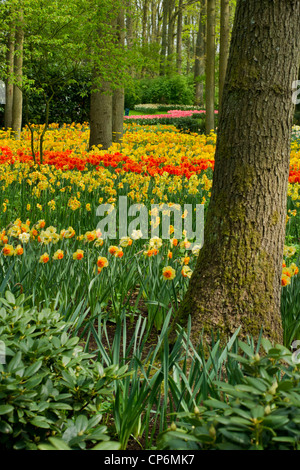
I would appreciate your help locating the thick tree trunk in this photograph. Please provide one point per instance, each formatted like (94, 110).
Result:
(224, 46)
(210, 66)
(101, 115)
(9, 87)
(200, 56)
(18, 72)
(237, 280)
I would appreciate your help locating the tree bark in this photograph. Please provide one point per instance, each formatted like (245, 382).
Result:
(101, 114)
(224, 46)
(154, 11)
(145, 23)
(129, 25)
(200, 56)
(18, 72)
(210, 66)
(179, 38)
(237, 279)
(171, 28)
(164, 38)
(188, 47)
(9, 86)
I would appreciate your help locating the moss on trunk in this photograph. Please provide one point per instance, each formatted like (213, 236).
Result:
(237, 280)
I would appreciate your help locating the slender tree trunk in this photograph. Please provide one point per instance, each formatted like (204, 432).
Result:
(164, 38)
(210, 66)
(200, 56)
(194, 41)
(100, 114)
(237, 279)
(129, 25)
(145, 22)
(9, 87)
(179, 38)
(153, 22)
(18, 71)
(118, 99)
(224, 46)
(171, 28)
(188, 48)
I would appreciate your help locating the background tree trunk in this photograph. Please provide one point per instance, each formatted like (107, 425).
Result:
(210, 66)
(129, 25)
(18, 72)
(224, 46)
(153, 22)
(101, 115)
(145, 23)
(237, 279)
(164, 38)
(171, 29)
(9, 87)
(188, 47)
(118, 99)
(200, 56)
(179, 38)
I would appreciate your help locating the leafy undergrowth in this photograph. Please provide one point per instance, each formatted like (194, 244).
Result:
(55, 394)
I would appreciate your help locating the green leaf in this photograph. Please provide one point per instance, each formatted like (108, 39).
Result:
(31, 370)
(10, 298)
(81, 423)
(59, 444)
(239, 438)
(110, 445)
(292, 440)
(5, 428)
(64, 338)
(40, 422)
(60, 406)
(244, 347)
(5, 409)
(275, 421)
(14, 362)
(212, 402)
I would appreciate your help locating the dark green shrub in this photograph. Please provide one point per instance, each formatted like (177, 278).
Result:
(185, 124)
(297, 117)
(261, 411)
(132, 94)
(70, 103)
(176, 89)
(49, 386)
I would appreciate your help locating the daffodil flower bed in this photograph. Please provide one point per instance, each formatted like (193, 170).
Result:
(50, 247)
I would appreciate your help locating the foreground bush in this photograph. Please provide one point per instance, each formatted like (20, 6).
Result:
(49, 386)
